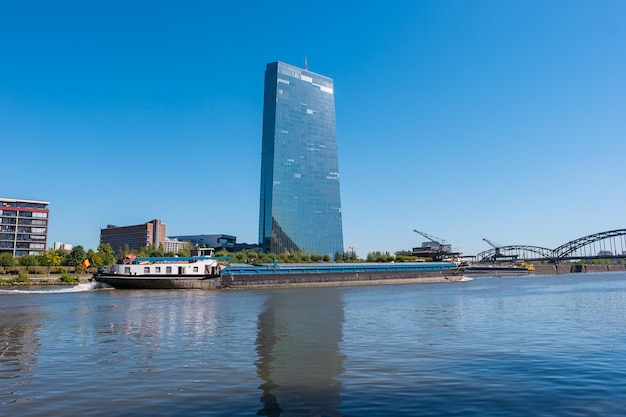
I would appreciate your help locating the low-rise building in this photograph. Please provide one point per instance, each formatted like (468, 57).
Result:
(174, 245)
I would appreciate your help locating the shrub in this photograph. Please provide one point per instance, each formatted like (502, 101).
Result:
(22, 277)
(67, 278)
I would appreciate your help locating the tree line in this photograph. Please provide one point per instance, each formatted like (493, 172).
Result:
(105, 255)
(253, 257)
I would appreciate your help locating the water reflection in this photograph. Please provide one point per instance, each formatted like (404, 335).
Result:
(299, 360)
(19, 345)
(137, 326)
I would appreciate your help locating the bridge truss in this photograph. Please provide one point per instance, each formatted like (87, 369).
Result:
(603, 245)
(515, 252)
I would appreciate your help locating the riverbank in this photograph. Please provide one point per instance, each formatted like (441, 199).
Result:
(52, 279)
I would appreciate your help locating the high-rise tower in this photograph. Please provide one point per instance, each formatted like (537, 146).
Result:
(300, 203)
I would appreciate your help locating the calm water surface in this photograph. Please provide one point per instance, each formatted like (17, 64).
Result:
(531, 346)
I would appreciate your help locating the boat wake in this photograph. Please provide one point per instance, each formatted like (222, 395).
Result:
(85, 287)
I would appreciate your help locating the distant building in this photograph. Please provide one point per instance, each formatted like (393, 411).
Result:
(136, 237)
(300, 207)
(62, 246)
(217, 242)
(209, 241)
(23, 226)
(198, 251)
(174, 245)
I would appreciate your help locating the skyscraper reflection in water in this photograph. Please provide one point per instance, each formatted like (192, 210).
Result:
(299, 358)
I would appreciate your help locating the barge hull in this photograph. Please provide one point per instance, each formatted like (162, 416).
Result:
(160, 283)
(241, 281)
(496, 271)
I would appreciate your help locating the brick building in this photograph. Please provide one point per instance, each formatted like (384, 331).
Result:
(136, 237)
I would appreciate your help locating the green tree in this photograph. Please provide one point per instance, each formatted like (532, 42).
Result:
(186, 250)
(50, 258)
(6, 260)
(28, 260)
(251, 256)
(350, 256)
(75, 257)
(94, 258)
(122, 251)
(240, 257)
(151, 252)
(380, 257)
(106, 253)
(401, 257)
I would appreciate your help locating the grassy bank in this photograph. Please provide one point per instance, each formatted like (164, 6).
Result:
(45, 279)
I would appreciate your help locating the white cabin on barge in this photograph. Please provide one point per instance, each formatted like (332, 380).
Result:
(164, 267)
(162, 273)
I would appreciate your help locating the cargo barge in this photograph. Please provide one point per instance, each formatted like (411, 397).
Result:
(314, 275)
(210, 273)
(498, 270)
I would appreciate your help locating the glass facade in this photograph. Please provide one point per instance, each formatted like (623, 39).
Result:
(300, 206)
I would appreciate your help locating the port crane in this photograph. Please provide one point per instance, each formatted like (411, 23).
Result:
(433, 239)
(499, 250)
(436, 248)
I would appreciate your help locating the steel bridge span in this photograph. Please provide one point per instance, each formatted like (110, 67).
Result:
(603, 245)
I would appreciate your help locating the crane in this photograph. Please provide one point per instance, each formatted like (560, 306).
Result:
(436, 248)
(499, 249)
(432, 238)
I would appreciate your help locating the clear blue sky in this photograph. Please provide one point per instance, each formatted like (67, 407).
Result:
(462, 119)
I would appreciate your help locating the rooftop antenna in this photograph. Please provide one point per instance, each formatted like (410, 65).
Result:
(306, 64)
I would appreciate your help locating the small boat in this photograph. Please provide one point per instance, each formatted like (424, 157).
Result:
(162, 273)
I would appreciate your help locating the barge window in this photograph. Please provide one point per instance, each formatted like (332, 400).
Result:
(127, 270)
(146, 269)
(157, 269)
(168, 269)
(195, 269)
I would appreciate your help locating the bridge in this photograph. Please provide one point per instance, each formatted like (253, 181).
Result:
(603, 245)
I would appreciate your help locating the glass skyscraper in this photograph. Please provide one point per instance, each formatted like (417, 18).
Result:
(300, 202)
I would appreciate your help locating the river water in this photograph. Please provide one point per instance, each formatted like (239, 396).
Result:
(494, 346)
